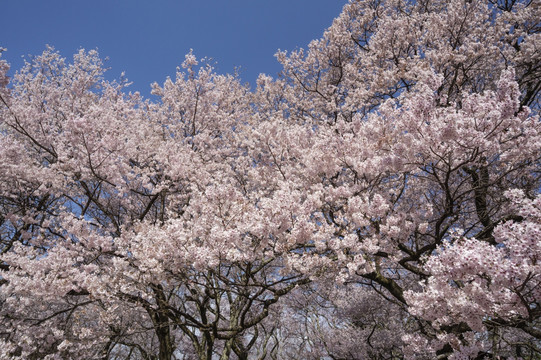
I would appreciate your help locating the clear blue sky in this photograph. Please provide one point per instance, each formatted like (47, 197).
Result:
(148, 39)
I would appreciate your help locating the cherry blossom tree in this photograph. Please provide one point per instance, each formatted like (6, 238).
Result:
(486, 289)
(430, 175)
(131, 228)
(423, 115)
(379, 200)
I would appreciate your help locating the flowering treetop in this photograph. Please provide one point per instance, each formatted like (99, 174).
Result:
(384, 189)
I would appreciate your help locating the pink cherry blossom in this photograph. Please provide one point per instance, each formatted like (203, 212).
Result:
(378, 200)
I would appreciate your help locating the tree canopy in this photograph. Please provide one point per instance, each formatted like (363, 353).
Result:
(380, 199)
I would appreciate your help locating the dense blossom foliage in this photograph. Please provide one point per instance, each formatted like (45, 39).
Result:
(379, 200)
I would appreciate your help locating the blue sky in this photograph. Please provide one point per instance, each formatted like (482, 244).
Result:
(148, 39)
